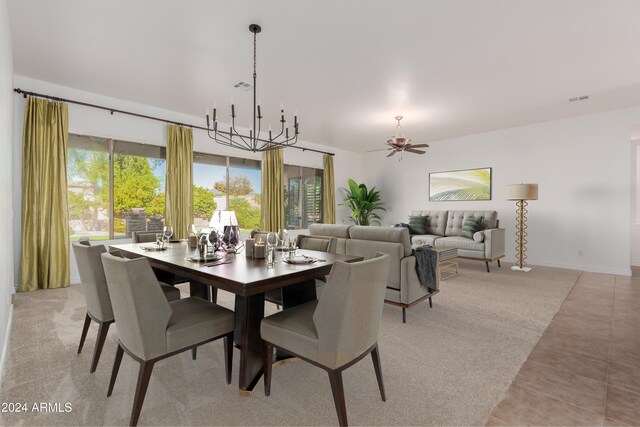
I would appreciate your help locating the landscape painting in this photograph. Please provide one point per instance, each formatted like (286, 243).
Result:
(462, 185)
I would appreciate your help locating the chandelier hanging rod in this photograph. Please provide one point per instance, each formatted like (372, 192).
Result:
(253, 142)
(26, 93)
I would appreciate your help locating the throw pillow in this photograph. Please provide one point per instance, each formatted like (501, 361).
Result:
(418, 224)
(471, 226)
(478, 236)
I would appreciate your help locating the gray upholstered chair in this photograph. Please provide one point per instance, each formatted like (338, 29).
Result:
(314, 243)
(144, 236)
(336, 331)
(96, 294)
(151, 329)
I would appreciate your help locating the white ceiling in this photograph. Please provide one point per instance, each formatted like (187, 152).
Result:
(451, 67)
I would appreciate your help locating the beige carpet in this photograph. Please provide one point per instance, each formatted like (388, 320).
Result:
(448, 365)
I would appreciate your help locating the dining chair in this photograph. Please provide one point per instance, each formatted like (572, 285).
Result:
(151, 329)
(314, 243)
(96, 294)
(336, 331)
(144, 236)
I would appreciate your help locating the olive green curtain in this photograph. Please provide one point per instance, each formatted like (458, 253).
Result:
(44, 261)
(328, 191)
(272, 218)
(179, 196)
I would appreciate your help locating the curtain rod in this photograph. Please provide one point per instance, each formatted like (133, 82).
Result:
(144, 116)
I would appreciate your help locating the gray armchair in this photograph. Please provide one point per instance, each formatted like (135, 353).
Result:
(96, 294)
(336, 331)
(151, 329)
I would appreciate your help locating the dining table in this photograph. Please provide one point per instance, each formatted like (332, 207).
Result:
(248, 279)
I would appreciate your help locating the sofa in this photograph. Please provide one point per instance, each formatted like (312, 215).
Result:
(403, 287)
(444, 230)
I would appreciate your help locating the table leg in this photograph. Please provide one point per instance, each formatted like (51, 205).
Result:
(197, 289)
(249, 314)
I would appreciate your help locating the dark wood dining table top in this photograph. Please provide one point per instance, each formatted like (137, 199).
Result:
(241, 275)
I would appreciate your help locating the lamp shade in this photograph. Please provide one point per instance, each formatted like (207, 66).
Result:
(223, 218)
(522, 192)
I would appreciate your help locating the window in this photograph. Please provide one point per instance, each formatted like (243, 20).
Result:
(235, 184)
(302, 196)
(109, 199)
(117, 187)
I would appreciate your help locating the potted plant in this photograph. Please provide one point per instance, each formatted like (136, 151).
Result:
(363, 203)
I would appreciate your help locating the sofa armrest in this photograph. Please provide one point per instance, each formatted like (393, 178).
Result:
(494, 243)
(410, 287)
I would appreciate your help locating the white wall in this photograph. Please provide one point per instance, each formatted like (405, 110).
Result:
(634, 156)
(582, 167)
(6, 177)
(89, 121)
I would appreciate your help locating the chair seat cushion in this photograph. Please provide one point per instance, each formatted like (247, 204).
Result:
(170, 292)
(293, 329)
(460, 243)
(194, 320)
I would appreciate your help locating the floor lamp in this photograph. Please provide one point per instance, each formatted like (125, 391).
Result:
(521, 193)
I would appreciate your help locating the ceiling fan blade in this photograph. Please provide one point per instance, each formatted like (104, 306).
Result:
(411, 150)
(392, 153)
(373, 151)
(419, 145)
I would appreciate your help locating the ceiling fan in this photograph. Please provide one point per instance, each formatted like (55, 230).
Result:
(400, 143)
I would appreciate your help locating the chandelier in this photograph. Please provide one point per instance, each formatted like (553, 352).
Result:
(253, 142)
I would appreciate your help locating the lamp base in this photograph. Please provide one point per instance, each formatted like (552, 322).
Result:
(525, 269)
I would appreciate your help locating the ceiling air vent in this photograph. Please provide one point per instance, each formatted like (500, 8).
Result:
(579, 98)
(243, 85)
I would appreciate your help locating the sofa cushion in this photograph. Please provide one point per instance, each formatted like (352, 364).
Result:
(418, 224)
(382, 234)
(456, 220)
(332, 230)
(460, 243)
(437, 221)
(423, 239)
(471, 226)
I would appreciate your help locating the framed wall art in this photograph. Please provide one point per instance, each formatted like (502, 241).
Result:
(460, 185)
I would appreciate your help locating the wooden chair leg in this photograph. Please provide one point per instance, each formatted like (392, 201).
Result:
(498, 263)
(228, 356)
(144, 374)
(102, 336)
(194, 353)
(85, 329)
(267, 354)
(375, 356)
(335, 378)
(116, 368)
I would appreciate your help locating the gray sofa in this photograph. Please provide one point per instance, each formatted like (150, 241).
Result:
(444, 229)
(403, 287)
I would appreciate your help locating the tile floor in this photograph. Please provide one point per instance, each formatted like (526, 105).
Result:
(585, 370)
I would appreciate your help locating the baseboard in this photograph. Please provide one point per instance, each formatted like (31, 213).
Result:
(5, 347)
(74, 280)
(590, 269)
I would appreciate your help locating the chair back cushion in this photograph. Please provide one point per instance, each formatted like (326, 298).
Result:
(144, 236)
(94, 284)
(456, 221)
(317, 243)
(348, 314)
(139, 306)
